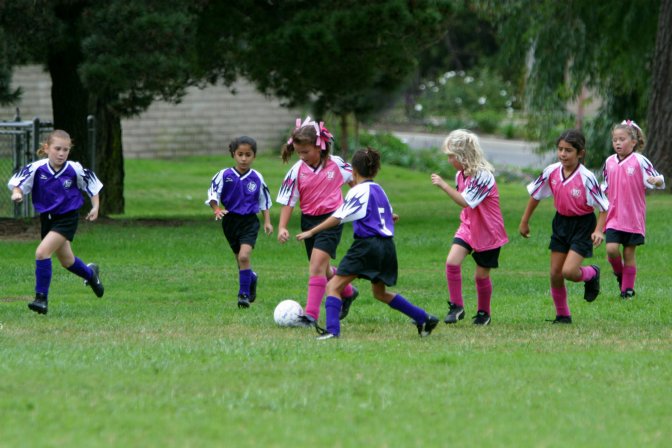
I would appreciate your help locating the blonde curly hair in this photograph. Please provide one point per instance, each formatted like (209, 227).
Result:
(464, 145)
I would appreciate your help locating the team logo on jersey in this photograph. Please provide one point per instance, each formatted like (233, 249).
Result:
(67, 184)
(330, 175)
(252, 187)
(630, 171)
(228, 179)
(554, 181)
(43, 176)
(576, 193)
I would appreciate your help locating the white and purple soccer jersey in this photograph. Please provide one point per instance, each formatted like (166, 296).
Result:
(482, 225)
(56, 192)
(318, 189)
(244, 194)
(367, 206)
(624, 183)
(576, 195)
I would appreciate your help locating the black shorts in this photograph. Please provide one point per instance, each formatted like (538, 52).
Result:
(573, 233)
(326, 240)
(373, 258)
(240, 229)
(624, 238)
(485, 259)
(65, 224)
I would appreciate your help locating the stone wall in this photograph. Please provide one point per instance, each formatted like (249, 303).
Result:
(203, 123)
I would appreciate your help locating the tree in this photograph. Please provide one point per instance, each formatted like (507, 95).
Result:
(107, 59)
(660, 103)
(339, 56)
(607, 46)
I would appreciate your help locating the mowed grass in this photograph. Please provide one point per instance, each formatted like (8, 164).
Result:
(167, 359)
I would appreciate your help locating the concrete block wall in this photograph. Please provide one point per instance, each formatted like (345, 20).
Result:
(203, 123)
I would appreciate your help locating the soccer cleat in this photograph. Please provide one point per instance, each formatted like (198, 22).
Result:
(619, 279)
(243, 301)
(592, 286)
(347, 301)
(455, 313)
(430, 324)
(306, 321)
(628, 294)
(39, 305)
(562, 320)
(95, 283)
(253, 287)
(324, 337)
(481, 318)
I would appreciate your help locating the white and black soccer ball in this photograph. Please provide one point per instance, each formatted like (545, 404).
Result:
(287, 313)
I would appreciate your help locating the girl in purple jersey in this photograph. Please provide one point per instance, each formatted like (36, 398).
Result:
(626, 175)
(56, 185)
(372, 255)
(242, 193)
(481, 230)
(315, 182)
(576, 194)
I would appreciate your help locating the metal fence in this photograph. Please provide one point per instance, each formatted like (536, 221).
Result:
(19, 142)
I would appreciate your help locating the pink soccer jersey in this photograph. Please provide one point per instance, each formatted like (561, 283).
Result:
(576, 195)
(482, 225)
(624, 183)
(319, 189)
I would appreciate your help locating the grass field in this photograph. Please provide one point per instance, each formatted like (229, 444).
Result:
(166, 359)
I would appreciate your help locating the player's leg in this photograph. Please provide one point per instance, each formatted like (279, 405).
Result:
(629, 272)
(244, 275)
(483, 295)
(43, 270)
(333, 304)
(558, 289)
(615, 260)
(456, 256)
(590, 275)
(317, 281)
(424, 321)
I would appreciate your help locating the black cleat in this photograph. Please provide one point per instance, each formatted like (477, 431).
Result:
(619, 279)
(481, 318)
(592, 286)
(253, 287)
(95, 283)
(243, 301)
(628, 294)
(562, 320)
(306, 321)
(347, 301)
(455, 313)
(430, 324)
(39, 305)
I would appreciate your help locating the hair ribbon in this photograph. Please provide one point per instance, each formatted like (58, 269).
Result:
(631, 124)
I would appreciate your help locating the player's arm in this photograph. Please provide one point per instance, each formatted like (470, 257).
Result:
(285, 214)
(524, 227)
(268, 227)
(450, 191)
(598, 234)
(324, 225)
(95, 206)
(217, 210)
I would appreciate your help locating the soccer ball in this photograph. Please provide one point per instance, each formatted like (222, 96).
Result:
(287, 313)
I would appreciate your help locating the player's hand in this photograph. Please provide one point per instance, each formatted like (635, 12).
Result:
(653, 180)
(17, 196)
(268, 228)
(597, 238)
(283, 235)
(438, 181)
(93, 214)
(219, 213)
(304, 235)
(395, 217)
(524, 230)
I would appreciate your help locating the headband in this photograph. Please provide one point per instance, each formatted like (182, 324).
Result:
(631, 124)
(323, 134)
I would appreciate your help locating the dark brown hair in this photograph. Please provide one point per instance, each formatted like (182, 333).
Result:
(304, 135)
(366, 162)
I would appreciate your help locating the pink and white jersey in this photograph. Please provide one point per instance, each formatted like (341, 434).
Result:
(576, 195)
(624, 183)
(482, 225)
(319, 189)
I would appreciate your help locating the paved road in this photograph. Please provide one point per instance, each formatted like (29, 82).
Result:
(499, 152)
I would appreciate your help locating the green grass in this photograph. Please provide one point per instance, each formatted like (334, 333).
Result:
(166, 358)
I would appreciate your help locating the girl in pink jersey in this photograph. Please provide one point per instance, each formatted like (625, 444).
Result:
(315, 181)
(575, 194)
(481, 231)
(627, 174)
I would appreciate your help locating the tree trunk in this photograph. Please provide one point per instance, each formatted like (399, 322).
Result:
(109, 157)
(345, 145)
(660, 103)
